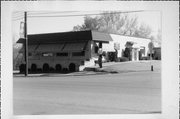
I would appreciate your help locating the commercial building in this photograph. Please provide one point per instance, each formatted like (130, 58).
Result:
(73, 51)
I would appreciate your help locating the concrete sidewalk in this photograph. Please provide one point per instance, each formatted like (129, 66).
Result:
(130, 66)
(109, 67)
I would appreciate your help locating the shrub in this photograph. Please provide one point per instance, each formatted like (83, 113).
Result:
(51, 69)
(144, 58)
(123, 59)
(22, 68)
(65, 70)
(104, 53)
(39, 70)
(118, 59)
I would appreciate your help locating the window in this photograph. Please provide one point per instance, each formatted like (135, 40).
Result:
(47, 54)
(78, 53)
(64, 54)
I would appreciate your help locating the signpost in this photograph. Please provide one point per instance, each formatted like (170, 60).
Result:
(116, 47)
(151, 46)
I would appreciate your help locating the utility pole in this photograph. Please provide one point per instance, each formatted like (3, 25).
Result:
(25, 44)
(100, 55)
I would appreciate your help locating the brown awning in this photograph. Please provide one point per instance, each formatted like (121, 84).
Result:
(101, 37)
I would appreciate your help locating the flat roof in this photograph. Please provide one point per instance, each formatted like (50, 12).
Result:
(65, 37)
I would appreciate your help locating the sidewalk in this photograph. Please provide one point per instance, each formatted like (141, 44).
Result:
(109, 67)
(130, 66)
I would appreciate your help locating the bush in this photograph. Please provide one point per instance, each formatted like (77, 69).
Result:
(39, 70)
(65, 70)
(144, 58)
(118, 59)
(51, 69)
(46, 68)
(123, 59)
(104, 53)
(22, 68)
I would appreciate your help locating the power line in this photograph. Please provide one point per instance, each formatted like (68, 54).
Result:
(39, 14)
(18, 14)
(30, 15)
(52, 12)
(55, 12)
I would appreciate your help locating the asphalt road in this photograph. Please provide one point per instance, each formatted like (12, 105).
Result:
(120, 93)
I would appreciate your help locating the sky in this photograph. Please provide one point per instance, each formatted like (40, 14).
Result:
(37, 25)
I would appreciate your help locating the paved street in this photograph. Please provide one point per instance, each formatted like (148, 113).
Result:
(119, 93)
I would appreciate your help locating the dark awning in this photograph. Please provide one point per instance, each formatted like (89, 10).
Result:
(74, 46)
(49, 47)
(101, 37)
(66, 37)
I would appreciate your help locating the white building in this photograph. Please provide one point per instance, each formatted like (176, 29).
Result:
(140, 44)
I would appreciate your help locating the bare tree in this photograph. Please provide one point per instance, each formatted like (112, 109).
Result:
(118, 23)
(143, 31)
(159, 37)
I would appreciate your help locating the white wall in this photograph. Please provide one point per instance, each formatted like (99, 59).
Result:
(122, 40)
